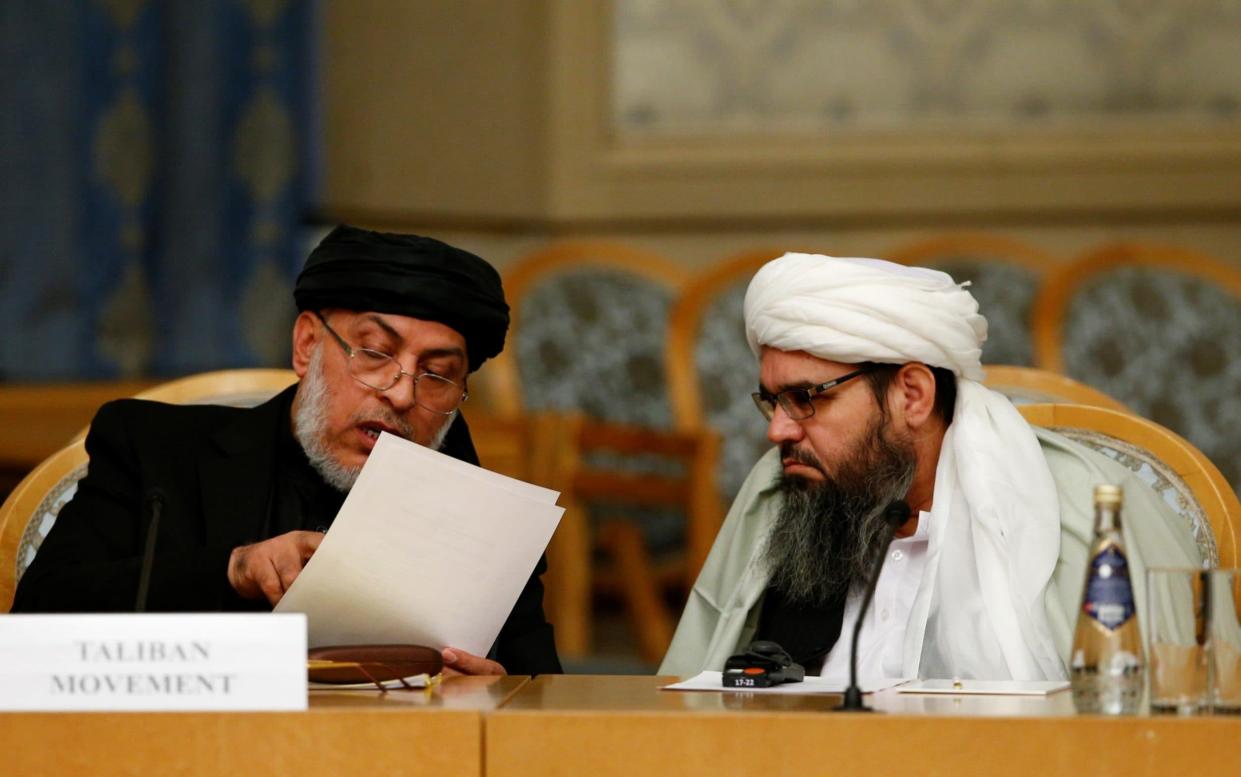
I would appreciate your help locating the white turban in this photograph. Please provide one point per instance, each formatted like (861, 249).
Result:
(995, 517)
(856, 310)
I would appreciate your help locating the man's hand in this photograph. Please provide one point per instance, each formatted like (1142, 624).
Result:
(458, 662)
(268, 568)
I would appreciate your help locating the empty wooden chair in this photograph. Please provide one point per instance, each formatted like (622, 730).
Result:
(1158, 328)
(589, 324)
(587, 340)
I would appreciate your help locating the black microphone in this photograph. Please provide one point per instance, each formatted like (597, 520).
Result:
(894, 517)
(152, 505)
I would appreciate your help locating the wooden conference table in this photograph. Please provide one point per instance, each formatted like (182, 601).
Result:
(437, 732)
(601, 726)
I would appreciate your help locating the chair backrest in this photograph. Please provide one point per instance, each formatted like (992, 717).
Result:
(690, 486)
(31, 509)
(1177, 471)
(711, 371)
(613, 475)
(1029, 385)
(236, 388)
(1004, 275)
(588, 332)
(1157, 327)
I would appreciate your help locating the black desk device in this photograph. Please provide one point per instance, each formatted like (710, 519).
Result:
(762, 665)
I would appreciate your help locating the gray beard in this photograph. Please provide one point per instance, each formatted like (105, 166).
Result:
(825, 536)
(310, 427)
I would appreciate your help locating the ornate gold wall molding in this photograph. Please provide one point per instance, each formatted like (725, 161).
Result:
(526, 129)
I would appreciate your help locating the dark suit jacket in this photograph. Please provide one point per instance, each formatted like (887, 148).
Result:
(216, 467)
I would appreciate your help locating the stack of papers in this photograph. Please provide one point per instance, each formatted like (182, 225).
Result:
(427, 550)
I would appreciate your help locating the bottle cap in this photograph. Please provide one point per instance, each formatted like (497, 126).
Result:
(1107, 494)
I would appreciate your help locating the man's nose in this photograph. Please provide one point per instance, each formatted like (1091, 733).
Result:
(781, 428)
(401, 396)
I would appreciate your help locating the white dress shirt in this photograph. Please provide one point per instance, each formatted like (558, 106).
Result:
(882, 640)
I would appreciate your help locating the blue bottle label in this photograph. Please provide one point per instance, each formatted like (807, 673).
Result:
(1109, 594)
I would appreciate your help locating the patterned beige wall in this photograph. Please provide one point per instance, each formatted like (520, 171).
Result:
(795, 65)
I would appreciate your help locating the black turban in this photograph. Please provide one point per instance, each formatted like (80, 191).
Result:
(408, 275)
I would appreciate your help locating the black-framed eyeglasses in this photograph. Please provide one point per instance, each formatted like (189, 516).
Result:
(380, 371)
(798, 402)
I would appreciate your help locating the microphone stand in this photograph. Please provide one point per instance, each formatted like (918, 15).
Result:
(154, 505)
(894, 516)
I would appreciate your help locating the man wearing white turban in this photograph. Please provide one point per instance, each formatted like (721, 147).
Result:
(984, 579)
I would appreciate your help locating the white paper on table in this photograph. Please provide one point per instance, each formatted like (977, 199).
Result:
(426, 549)
(714, 681)
(985, 687)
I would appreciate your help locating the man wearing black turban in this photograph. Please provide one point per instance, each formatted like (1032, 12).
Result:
(247, 493)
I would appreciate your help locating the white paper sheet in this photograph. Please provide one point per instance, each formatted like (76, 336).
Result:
(713, 681)
(427, 550)
(985, 687)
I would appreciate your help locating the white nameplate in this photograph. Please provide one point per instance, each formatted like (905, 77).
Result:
(153, 662)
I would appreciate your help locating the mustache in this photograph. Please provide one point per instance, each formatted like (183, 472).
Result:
(790, 451)
(387, 418)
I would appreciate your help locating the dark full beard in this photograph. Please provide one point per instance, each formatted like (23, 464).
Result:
(824, 537)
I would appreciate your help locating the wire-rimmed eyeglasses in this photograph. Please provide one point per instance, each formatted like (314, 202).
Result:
(381, 371)
(797, 402)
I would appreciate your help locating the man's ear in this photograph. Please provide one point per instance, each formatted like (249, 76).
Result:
(913, 394)
(306, 333)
